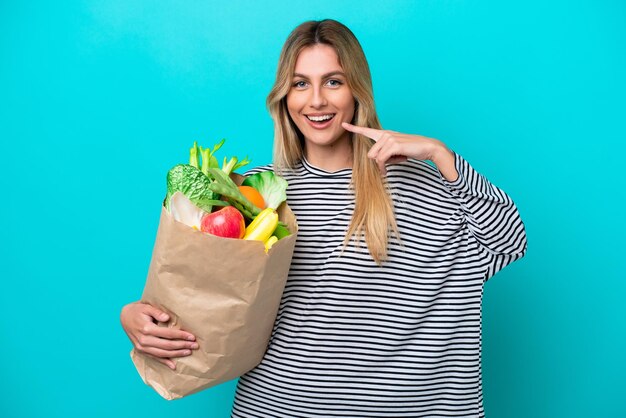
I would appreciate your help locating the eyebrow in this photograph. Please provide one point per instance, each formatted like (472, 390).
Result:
(323, 76)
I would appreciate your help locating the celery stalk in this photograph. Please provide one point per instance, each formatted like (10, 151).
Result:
(193, 155)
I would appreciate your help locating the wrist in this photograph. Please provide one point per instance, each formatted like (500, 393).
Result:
(440, 153)
(444, 159)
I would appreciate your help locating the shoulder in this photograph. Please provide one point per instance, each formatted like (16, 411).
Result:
(288, 173)
(259, 169)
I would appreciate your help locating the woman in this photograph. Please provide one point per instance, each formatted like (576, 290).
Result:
(391, 328)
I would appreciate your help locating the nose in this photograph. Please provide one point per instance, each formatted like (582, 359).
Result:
(318, 99)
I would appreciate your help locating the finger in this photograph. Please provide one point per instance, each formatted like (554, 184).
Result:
(382, 143)
(396, 159)
(372, 133)
(164, 344)
(381, 165)
(156, 313)
(389, 151)
(169, 333)
(157, 352)
(382, 168)
(167, 361)
(387, 155)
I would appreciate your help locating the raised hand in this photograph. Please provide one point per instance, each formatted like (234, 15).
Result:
(392, 147)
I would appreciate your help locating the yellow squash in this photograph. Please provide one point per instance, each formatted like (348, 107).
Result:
(262, 227)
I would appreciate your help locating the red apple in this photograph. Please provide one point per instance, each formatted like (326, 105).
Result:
(227, 222)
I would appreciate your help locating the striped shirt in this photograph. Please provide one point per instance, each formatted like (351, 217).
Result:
(355, 339)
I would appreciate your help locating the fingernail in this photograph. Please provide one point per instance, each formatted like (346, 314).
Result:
(194, 345)
(172, 366)
(163, 317)
(187, 352)
(191, 337)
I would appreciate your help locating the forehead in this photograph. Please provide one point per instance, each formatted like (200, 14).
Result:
(317, 59)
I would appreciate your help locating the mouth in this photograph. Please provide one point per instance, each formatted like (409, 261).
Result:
(320, 121)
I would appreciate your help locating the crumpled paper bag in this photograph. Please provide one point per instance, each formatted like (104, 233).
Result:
(224, 291)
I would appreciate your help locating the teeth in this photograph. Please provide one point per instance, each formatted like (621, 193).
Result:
(320, 118)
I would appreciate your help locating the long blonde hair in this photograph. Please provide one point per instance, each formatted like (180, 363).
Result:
(373, 216)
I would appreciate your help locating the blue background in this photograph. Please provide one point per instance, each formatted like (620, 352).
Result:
(99, 99)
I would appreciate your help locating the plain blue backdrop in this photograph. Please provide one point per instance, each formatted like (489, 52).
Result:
(99, 99)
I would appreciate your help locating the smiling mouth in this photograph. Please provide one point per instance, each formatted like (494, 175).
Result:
(321, 118)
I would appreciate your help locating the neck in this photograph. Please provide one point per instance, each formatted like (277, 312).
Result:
(332, 157)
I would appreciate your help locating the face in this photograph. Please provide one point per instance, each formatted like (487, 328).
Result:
(319, 99)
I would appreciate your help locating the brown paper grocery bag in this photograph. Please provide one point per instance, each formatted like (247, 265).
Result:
(224, 291)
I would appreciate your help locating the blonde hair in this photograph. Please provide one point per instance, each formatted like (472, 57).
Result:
(373, 216)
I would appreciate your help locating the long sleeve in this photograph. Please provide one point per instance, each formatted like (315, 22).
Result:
(491, 216)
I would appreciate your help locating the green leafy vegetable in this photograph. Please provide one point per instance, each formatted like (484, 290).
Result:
(198, 154)
(273, 188)
(194, 158)
(202, 181)
(191, 182)
(281, 231)
(226, 187)
(233, 164)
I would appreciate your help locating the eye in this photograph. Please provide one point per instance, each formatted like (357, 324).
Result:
(299, 84)
(334, 83)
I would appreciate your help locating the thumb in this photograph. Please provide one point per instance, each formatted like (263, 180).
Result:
(156, 313)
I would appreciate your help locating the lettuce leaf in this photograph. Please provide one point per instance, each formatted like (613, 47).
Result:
(184, 211)
(191, 182)
(272, 187)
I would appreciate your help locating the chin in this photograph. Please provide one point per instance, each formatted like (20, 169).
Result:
(323, 139)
